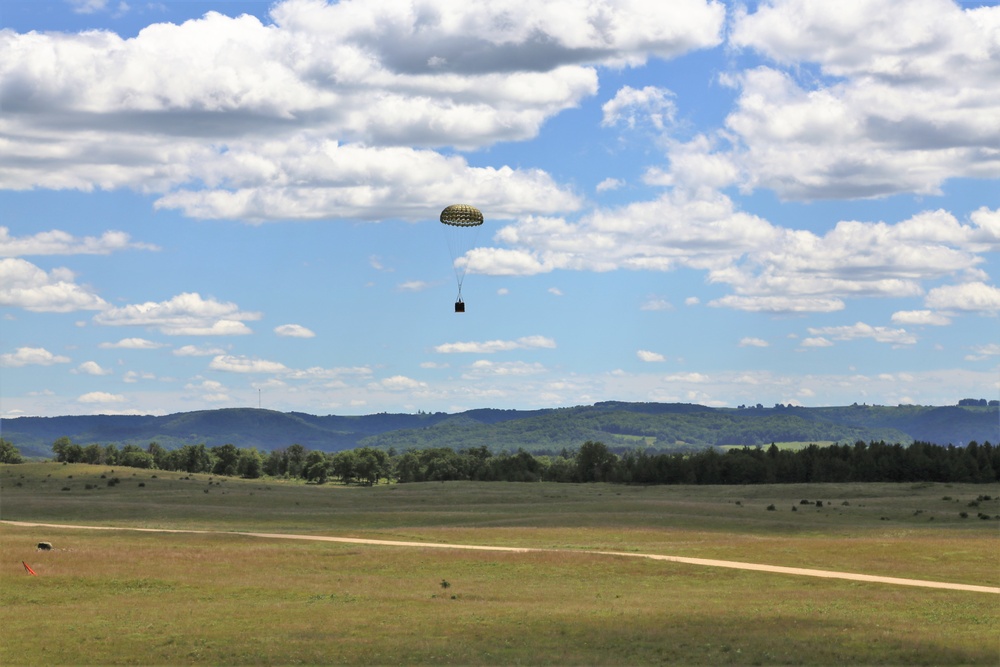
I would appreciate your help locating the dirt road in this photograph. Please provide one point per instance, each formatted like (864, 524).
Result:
(735, 565)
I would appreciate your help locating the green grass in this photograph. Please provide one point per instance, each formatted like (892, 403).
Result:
(110, 597)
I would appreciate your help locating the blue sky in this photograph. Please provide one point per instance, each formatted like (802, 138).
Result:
(232, 204)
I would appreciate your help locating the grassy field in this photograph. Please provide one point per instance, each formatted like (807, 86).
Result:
(117, 597)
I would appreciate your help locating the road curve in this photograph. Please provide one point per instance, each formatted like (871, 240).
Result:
(734, 565)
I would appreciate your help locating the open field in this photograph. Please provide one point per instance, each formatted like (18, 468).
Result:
(115, 597)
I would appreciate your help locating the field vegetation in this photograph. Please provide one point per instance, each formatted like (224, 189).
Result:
(126, 597)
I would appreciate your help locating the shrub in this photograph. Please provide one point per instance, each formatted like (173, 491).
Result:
(964, 515)
(771, 508)
(805, 502)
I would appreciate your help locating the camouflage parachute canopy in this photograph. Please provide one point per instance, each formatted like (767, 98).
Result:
(462, 215)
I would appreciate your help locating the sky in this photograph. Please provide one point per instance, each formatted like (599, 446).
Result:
(235, 204)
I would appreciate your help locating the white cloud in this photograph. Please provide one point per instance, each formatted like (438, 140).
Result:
(484, 367)
(131, 377)
(196, 351)
(753, 342)
(489, 347)
(400, 383)
(555, 291)
(772, 269)
(635, 108)
(817, 341)
(920, 317)
(241, 364)
(101, 397)
(229, 117)
(185, 314)
(134, 344)
(609, 184)
(88, 6)
(907, 98)
(294, 331)
(92, 368)
(984, 352)
(656, 303)
(974, 296)
(58, 242)
(414, 286)
(24, 285)
(649, 357)
(31, 356)
(861, 330)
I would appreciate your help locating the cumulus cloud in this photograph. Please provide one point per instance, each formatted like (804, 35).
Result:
(907, 97)
(57, 242)
(609, 184)
(975, 296)
(241, 364)
(24, 285)
(489, 347)
(294, 331)
(198, 351)
(649, 357)
(185, 314)
(101, 397)
(92, 368)
(229, 117)
(634, 108)
(861, 330)
(920, 317)
(31, 356)
(816, 341)
(133, 344)
(400, 383)
(656, 303)
(484, 367)
(753, 342)
(769, 268)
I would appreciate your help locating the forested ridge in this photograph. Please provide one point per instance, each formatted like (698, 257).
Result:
(664, 427)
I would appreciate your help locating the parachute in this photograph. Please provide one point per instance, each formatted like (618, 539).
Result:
(461, 225)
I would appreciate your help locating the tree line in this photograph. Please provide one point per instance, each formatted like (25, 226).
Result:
(592, 462)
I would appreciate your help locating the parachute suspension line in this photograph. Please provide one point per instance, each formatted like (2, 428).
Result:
(461, 226)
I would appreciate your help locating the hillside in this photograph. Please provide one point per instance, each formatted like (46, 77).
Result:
(663, 426)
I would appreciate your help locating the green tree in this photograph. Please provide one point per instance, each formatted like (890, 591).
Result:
(67, 451)
(373, 465)
(134, 457)
(250, 464)
(227, 458)
(344, 465)
(9, 453)
(295, 459)
(595, 462)
(158, 453)
(316, 467)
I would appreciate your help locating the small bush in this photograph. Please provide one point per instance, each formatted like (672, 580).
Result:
(964, 515)
(142, 484)
(771, 508)
(819, 503)
(66, 488)
(794, 508)
(805, 502)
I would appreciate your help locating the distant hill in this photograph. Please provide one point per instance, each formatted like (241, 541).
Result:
(663, 426)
